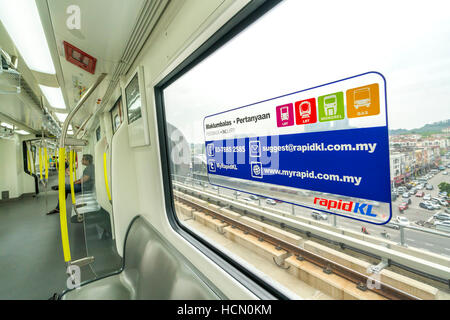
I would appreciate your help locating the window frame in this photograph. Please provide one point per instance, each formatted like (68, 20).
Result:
(118, 105)
(243, 19)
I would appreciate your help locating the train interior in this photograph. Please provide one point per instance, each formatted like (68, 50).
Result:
(106, 188)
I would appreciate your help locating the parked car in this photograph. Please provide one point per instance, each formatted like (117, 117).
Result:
(319, 215)
(419, 187)
(420, 194)
(427, 197)
(426, 206)
(237, 193)
(401, 189)
(443, 194)
(408, 201)
(429, 187)
(441, 216)
(253, 197)
(271, 202)
(392, 226)
(405, 195)
(440, 201)
(443, 226)
(403, 220)
(435, 205)
(403, 206)
(445, 173)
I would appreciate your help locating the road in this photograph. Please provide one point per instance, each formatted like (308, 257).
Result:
(412, 238)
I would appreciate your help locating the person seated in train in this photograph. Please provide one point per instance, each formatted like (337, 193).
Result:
(85, 183)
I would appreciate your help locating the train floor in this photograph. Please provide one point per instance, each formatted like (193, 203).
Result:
(31, 257)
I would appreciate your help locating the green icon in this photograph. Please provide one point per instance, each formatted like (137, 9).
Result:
(331, 107)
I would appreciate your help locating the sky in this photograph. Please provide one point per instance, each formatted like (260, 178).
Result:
(303, 44)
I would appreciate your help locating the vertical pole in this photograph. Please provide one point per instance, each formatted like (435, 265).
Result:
(402, 236)
(293, 210)
(72, 192)
(62, 205)
(334, 220)
(40, 162)
(29, 159)
(46, 164)
(33, 160)
(106, 177)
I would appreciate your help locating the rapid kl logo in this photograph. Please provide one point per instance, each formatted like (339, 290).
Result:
(350, 206)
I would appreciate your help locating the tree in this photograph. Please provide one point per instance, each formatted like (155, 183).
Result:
(444, 186)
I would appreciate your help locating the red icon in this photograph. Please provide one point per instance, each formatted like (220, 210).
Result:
(305, 111)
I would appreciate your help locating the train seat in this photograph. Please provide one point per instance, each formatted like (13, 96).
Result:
(152, 269)
(86, 202)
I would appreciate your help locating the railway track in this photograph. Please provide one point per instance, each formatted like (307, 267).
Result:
(328, 266)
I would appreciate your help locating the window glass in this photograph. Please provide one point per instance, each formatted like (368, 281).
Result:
(133, 97)
(116, 122)
(98, 134)
(285, 52)
(117, 115)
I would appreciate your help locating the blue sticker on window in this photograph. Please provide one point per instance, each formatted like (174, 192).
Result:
(324, 148)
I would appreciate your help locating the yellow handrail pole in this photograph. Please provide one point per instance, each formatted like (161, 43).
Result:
(74, 165)
(40, 162)
(62, 150)
(28, 159)
(62, 206)
(46, 163)
(72, 192)
(56, 158)
(106, 176)
(33, 160)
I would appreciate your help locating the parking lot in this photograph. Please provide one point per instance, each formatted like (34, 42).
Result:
(415, 213)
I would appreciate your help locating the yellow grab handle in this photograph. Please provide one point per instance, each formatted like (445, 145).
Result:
(46, 163)
(40, 162)
(106, 176)
(62, 206)
(72, 192)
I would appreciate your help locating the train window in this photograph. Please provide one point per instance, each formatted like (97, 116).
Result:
(98, 133)
(117, 115)
(116, 122)
(279, 54)
(133, 97)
